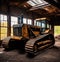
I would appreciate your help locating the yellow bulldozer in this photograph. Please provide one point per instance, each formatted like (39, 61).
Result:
(29, 38)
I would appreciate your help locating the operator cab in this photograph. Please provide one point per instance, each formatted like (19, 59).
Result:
(44, 25)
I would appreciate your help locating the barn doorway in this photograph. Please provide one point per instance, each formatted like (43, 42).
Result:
(57, 32)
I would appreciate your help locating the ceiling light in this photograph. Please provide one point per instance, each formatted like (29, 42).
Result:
(37, 1)
(37, 4)
(31, 3)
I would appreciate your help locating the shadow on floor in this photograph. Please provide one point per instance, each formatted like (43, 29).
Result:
(54, 48)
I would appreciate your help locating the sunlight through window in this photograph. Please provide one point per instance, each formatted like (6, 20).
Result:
(14, 20)
(30, 21)
(3, 26)
(24, 21)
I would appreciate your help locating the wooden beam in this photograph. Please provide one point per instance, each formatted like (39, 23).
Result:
(0, 17)
(8, 19)
(54, 2)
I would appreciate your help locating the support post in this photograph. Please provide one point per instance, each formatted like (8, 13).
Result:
(8, 20)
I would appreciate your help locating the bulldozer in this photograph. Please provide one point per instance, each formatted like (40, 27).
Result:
(28, 38)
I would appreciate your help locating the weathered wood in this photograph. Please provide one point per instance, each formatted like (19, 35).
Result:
(8, 19)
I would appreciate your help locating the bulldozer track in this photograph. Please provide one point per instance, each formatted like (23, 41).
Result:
(34, 45)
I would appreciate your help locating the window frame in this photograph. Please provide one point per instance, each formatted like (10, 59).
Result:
(4, 25)
(14, 19)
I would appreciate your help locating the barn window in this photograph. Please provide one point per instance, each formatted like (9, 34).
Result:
(14, 20)
(3, 26)
(30, 21)
(24, 20)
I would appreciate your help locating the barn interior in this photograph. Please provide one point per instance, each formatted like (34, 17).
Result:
(29, 12)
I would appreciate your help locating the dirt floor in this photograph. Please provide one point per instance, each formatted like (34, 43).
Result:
(50, 55)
